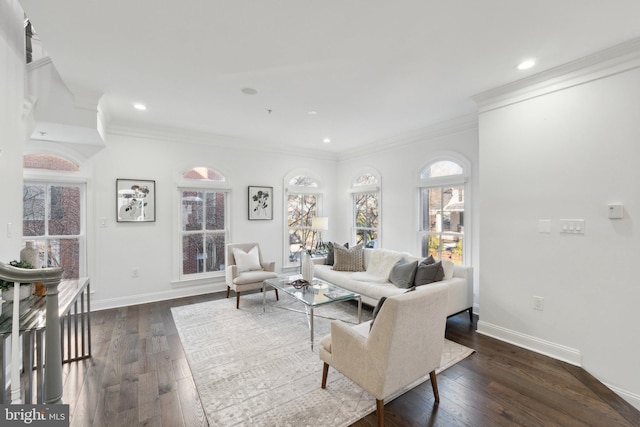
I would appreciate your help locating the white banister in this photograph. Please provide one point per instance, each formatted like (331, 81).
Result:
(53, 356)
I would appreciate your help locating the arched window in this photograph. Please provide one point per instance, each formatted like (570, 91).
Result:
(49, 162)
(53, 200)
(442, 185)
(203, 226)
(302, 203)
(365, 190)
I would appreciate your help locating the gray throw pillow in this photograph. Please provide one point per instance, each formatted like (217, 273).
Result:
(428, 273)
(348, 259)
(376, 310)
(403, 273)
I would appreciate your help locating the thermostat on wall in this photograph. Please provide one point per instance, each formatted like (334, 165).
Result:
(616, 211)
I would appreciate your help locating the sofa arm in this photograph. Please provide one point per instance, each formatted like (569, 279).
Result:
(230, 273)
(348, 351)
(269, 266)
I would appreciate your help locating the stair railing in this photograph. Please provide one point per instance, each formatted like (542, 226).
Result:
(51, 277)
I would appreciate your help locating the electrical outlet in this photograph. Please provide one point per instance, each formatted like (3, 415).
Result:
(135, 272)
(538, 303)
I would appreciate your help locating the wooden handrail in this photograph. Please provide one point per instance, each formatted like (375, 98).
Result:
(51, 278)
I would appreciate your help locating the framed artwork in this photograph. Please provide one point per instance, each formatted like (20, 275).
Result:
(135, 200)
(260, 203)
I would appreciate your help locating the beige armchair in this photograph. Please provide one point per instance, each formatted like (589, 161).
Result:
(405, 343)
(248, 271)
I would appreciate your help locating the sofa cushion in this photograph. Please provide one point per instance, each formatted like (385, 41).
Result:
(447, 266)
(403, 273)
(381, 262)
(428, 273)
(247, 261)
(330, 252)
(348, 259)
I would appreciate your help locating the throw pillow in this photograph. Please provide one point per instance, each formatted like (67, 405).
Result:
(428, 273)
(429, 260)
(376, 310)
(330, 252)
(348, 259)
(247, 261)
(403, 273)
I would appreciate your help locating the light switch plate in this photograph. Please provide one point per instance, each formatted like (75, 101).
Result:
(572, 226)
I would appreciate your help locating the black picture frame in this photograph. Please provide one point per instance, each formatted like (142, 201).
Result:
(260, 203)
(135, 200)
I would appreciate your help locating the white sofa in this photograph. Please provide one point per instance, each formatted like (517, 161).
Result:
(372, 284)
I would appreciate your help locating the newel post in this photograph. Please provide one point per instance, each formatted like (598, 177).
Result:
(53, 350)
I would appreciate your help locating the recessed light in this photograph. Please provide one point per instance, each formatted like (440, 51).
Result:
(526, 64)
(327, 140)
(248, 91)
(139, 106)
(312, 113)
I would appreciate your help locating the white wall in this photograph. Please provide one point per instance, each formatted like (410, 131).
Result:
(151, 247)
(12, 138)
(399, 162)
(562, 155)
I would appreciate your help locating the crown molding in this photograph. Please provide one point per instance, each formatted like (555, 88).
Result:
(178, 135)
(605, 63)
(449, 127)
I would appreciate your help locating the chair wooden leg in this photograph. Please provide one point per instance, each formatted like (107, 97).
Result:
(237, 300)
(434, 385)
(277, 297)
(471, 314)
(228, 290)
(325, 371)
(380, 412)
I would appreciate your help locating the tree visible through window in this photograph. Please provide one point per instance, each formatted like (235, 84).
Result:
(302, 207)
(442, 212)
(203, 225)
(52, 214)
(366, 200)
(52, 218)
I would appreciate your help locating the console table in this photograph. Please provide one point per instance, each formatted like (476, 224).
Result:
(74, 305)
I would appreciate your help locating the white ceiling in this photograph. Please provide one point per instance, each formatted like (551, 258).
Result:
(372, 69)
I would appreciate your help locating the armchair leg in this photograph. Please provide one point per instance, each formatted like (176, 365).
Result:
(471, 315)
(277, 297)
(380, 412)
(325, 371)
(228, 290)
(434, 385)
(237, 300)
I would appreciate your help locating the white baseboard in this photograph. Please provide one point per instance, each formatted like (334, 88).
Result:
(179, 292)
(557, 351)
(632, 398)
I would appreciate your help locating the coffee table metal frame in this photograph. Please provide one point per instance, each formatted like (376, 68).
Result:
(319, 292)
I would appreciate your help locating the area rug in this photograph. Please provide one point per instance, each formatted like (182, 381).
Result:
(255, 367)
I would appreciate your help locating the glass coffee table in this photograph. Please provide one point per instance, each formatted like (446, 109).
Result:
(318, 293)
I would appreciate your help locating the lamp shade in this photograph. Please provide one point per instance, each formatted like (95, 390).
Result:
(320, 223)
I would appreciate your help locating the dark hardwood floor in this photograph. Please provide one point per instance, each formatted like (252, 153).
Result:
(139, 376)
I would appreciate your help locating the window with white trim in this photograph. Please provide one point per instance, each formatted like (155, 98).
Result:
(365, 191)
(442, 210)
(303, 197)
(204, 225)
(54, 212)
